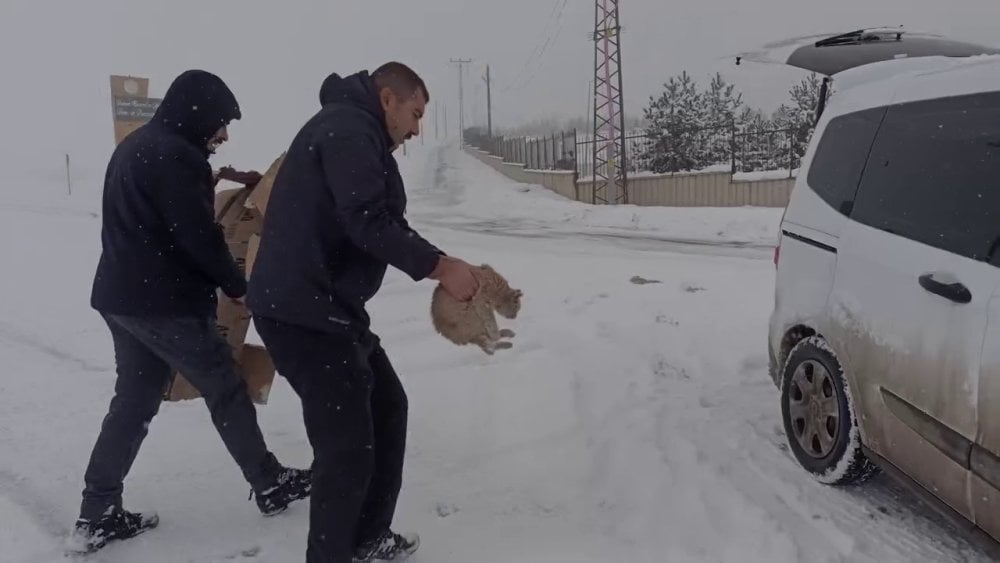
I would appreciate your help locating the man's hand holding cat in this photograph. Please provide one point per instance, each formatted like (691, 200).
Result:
(456, 277)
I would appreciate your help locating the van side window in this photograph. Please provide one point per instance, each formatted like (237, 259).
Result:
(840, 157)
(934, 175)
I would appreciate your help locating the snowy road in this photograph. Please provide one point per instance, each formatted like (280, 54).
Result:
(631, 422)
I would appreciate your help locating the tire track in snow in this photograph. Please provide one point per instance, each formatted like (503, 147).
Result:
(31, 501)
(11, 335)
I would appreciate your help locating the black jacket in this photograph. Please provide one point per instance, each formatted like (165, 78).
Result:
(334, 222)
(162, 252)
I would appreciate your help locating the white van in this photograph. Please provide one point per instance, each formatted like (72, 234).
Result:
(885, 334)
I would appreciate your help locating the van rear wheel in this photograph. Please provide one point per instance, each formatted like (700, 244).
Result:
(819, 416)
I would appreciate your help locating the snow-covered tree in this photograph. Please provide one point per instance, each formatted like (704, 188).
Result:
(797, 119)
(724, 107)
(676, 120)
(754, 146)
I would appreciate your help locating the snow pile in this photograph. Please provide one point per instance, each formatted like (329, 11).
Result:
(465, 193)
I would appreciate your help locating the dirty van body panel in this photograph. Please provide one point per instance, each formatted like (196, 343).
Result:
(985, 455)
(813, 222)
(908, 353)
(915, 280)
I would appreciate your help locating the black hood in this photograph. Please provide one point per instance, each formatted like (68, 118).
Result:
(196, 105)
(356, 90)
(326, 94)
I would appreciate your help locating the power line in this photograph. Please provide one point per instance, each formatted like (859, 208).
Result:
(555, 17)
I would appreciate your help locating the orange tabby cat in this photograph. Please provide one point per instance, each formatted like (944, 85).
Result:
(473, 322)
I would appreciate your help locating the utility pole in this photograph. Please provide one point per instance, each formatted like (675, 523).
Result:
(610, 179)
(461, 100)
(489, 105)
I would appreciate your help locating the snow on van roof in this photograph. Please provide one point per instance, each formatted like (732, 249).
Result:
(880, 83)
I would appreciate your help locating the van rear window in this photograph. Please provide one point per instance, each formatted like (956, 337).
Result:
(934, 175)
(840, 157)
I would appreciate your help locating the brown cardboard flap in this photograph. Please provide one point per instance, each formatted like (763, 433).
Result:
(227, 199)
(258, 370)
(239, 251)
(233, 322)
(254, 366)
(240, 223)
(252, 247)
(262, 191)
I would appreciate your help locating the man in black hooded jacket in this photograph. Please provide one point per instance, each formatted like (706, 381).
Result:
(163, 257)
(334, 224)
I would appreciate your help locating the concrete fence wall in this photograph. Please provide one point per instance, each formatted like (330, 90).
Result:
(714, 189)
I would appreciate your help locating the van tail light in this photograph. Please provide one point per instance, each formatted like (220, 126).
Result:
(777, 253)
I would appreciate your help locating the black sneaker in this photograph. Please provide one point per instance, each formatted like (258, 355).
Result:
(290, 486)
(389, 547)
(89, 536)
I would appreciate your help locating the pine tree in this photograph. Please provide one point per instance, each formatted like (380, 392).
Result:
(796, 121)
(754, 146)
(724, 107)
(676, 120)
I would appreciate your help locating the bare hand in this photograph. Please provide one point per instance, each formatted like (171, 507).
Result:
(456, 277)
(249, 178)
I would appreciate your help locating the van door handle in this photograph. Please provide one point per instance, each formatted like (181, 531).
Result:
(951, 290)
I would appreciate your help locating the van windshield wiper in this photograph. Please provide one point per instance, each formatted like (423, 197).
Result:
(861, 36)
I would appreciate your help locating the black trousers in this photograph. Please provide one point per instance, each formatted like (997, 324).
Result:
(147, 351)
(355, 412)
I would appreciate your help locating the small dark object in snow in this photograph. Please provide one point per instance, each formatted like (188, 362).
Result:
(817, 517)
(693, 289)
(639, 280)
(883, 510)
(663, 319)
(445, 510)
(524, 190)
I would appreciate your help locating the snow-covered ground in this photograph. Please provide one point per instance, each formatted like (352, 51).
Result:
(633, 420)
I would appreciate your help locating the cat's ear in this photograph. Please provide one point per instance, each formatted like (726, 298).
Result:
(518, 293)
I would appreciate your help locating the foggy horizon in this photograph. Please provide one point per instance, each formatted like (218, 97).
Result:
(58, 59)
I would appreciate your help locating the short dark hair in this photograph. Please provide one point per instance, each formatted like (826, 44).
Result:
(401, 79)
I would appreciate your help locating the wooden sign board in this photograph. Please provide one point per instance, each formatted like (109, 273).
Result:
(131, 105)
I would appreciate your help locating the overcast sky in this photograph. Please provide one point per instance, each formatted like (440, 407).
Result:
(56, 57)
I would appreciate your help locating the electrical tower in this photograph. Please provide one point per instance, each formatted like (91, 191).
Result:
(461, 100)
(609, 117)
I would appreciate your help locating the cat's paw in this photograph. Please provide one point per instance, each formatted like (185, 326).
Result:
(504, 345)
(506, 333)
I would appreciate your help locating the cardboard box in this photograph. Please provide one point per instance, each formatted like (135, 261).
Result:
(254, 366)
(241, 224)
(257, 369)
(252, 247)
(262, 191)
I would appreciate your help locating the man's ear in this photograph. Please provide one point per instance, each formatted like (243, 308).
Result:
(385, 96)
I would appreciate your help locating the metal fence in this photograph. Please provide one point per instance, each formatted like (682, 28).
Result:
(720, 148)
(554, 152)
